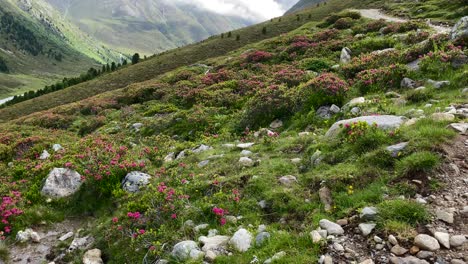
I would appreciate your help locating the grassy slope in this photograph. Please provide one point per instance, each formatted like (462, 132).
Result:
(212, 47)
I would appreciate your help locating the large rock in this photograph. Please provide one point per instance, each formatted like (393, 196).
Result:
(288, 180)
(366, 228)
(461, 128)
(135, 180)
(202, 148)
(345, 56)
(443, 117)
(61, 182)
(246, 162)
(395, 150)
(426, 242)
(326, 198)
(460, 30)
(241, 240)
(407, 83)
(332, 228)
(92, 256)
(443, 238)
(369, 213)
(385, 122)
(457, 241)
(215, 243)
(186, 250)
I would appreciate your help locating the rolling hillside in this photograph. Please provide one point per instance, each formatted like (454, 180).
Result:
(37, 47)
(157, 65)
(303, 4)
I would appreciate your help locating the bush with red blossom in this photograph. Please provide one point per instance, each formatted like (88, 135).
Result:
(258, 56)
(380, 79)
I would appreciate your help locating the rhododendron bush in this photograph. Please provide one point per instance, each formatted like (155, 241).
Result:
(380, 79)
(326, 89)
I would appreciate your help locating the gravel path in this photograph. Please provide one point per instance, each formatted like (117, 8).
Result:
(377, 14)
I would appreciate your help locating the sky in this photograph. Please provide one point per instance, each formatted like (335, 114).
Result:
(254, 10)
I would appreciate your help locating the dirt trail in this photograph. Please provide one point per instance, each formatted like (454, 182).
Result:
(35, 253)
(377, 14)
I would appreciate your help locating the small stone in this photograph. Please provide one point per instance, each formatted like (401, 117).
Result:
(392, 239)
(35, 237)
(241, 240)
(332, 228)
(261, 238)
(367, 261)
(345, 56)
(408, 83)
(245, 145)
(201, 227)
(326, 198)
(378, 239)
(461, 128)
(342, 222)
(231, 219)
(356, 101)
(335, 109)
(355, 110)
(277, 256)
(438, 84)
(203, 163)
(186, 250)
(134, 181)
(296, 160)
(443, 238)
(276, 124)
(210, 256)
(93, 256)
(379, 246)
(214, 243)
(395, 150)
(137, 126)
(457, 261)
(316, 237)
(323, 233)
(246, 162)
(366, 229)
(414, 250)
(397, 250)
(66, 236)
(246, 153)
(338, 247)
(201, 148)
(169, 157)
(421, 201)
(443, 117)
(457, 241)
(444, 216)
(303, 134)
(57, 147)
(45, 155)
(368, 213)
(426, 242)
(425, 254)
(262, 204)
(288, 180)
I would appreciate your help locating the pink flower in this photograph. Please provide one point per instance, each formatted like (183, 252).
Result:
(222, 221)
(141, 231)
(115, 220)
(174, 216)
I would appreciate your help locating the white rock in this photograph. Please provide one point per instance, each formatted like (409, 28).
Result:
(426, 242)
(276, 124)
(245, 145)
(57, 147)
(92, 256)
(169, 157)
(392, 239)
(80, 243)
(444, 215)
(201, 227)
(345, 56)
(241, 240)
(277, 256)
(66, 236)
(246, 153)
(246, 162)
(457, 241)
(45, 155)
(215, 243)
(288, 180)
(366, 228)
(443, 117)
(332, 228)
(61, 183)
(316, 237)
(461, 128)
(443, 238)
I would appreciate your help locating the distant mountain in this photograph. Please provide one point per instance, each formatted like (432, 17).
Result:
(303, 4)
(38, 47)
(146, 26)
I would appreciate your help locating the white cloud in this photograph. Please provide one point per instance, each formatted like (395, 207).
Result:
(255, 10)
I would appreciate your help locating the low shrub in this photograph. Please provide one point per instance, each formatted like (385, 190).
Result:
(326, 89)
(418, 96)
(381, 79)
(343, 23)
(316, 65)
(416, 164)
(258, 56)
(404, 211)
(364, 137)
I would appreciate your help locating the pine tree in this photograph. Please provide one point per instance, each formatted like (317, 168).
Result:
(136, 58)
(238, 37)
(107, 67)
(124, 62)
(264, 30)
(113, 66)
(229, 34)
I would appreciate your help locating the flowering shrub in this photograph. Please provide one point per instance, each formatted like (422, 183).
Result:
(217, 77)
(343, 23)
(219, 212)
(401, 27)
(258, 56)
(369, 61)
(436, 63)
(290, 76)
(365, 137)
(329, 84)
(8, 211)
(325, 35)
(380, 79)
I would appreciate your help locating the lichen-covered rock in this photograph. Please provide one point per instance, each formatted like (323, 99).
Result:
(460, 30)
(186, 250)
(61, 182)
(135, 180)
(345, 56)
(241, 240)
(386, 122)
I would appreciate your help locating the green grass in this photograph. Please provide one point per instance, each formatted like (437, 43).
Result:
(417, 163)
(151, 68)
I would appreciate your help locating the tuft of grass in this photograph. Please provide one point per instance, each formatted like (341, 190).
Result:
(417, 163)
(402, 211)
(4, 253)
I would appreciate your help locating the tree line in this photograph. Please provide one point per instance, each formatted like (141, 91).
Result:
(67, 82)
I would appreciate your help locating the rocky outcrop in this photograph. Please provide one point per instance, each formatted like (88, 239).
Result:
(135, 180)
(61, 182)
(386, 122)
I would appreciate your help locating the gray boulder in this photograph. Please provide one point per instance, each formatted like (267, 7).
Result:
(61, 182)
(134, 181)
(438, 84)
(408, 83)
(460, 30)
(386, 122)
(261, 238)
(396, 149)
(426, 242)
(186, 250)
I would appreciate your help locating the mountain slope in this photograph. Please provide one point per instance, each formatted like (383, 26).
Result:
(154, 66)
(303, 4)
(37, 47)
(146, 26)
